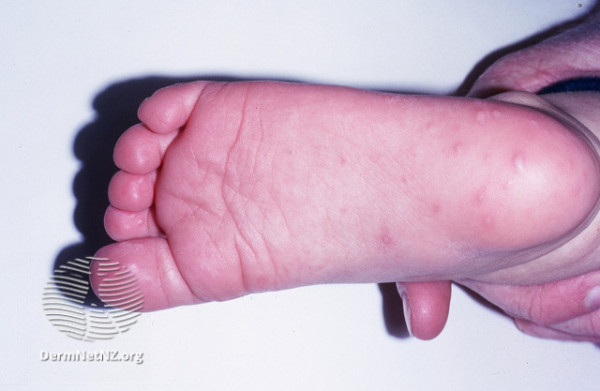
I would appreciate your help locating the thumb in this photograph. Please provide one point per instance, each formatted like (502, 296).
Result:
(426, 307)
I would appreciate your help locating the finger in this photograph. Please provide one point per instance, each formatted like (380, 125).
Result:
(426, 307)
(558, 333)
(545, 304)
(538, 331)
(586, 327)
(570, 54)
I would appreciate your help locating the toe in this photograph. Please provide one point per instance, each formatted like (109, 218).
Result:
(169, 108)
(122, 225)
(150, 264)
(131, 192)
(140, 151)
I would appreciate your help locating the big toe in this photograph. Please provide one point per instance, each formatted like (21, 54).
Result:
(142, 269)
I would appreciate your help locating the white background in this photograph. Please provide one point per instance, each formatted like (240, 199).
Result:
(71, 74)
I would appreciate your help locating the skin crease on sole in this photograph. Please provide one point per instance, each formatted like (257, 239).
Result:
(321, 207)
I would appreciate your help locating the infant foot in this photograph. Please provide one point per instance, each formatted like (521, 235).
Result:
(229, 189)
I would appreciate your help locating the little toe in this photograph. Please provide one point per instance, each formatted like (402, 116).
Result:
(131, 192)
(140, 151)
(169, 108)
(150, 264)
(122, 225)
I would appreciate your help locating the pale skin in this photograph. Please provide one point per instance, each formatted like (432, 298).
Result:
(230, 189)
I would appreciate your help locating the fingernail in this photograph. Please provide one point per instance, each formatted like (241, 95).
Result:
(405, 306)
(592, 300)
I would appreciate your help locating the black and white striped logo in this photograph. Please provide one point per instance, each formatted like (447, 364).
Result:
(72, 307)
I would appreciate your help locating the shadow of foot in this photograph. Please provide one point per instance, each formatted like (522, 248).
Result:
(393, 311)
